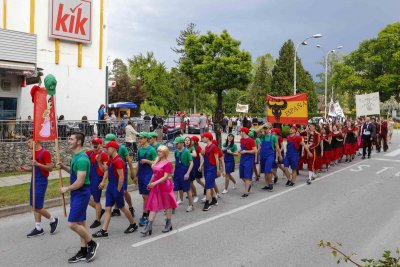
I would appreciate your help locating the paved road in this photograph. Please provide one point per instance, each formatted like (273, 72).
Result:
(356, 204)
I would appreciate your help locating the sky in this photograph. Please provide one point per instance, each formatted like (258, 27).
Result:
(136, 27)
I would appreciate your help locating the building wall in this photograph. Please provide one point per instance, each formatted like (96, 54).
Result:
(80, 91)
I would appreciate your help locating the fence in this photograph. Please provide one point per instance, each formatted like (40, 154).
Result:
(20, 130)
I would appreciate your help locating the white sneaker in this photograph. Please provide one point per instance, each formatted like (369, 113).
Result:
(189, 208)
(234, 186)
(224, 191)
(195, 199)
(179, 202)
(203, 199)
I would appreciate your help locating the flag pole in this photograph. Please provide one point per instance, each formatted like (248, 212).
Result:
(60, 175)
(33, 177)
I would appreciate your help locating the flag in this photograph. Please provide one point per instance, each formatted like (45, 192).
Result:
(335, 110)
(287, 109)
(242, 108)
(368, 104)
(44, 118)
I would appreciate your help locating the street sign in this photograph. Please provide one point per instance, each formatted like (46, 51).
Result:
(71, 20)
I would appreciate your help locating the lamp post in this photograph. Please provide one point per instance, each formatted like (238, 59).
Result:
(295, 58)
(326, 74)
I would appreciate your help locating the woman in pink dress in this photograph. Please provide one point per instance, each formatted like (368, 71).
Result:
(161, 195)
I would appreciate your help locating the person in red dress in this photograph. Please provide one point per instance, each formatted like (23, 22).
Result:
(337, 144)
(350, 139)
(161, 188)
(326, 140)
(313, 141)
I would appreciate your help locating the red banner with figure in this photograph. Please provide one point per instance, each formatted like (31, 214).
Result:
(44, 117)
(288, 109)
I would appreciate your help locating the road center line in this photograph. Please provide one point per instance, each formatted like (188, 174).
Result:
(227, 213)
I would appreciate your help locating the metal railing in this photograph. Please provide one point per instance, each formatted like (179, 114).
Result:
(20, 130)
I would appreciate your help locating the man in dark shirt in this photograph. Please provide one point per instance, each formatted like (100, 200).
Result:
(368, 132)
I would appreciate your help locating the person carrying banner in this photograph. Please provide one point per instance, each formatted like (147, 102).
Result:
(313, 141)
(115, 190)
(293, 145)
(368, 132)
(42, 165)
(247, 156)
(79, 187)
(124, 154)
(98, 164)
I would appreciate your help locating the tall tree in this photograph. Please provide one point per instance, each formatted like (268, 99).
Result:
(218, 65)
(282, 76)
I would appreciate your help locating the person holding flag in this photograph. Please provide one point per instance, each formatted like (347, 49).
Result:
(41, 165)
(79, 187)
(98, 164)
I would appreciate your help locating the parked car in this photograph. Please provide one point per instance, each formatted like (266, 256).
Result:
(172, 123)
(194, 127)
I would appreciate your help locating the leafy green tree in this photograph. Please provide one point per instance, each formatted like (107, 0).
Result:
(282, 76)
(218, 64)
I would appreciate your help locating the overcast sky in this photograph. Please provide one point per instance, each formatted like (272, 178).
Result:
(262, 26)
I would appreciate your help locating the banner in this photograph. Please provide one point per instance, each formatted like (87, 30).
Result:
(368, 104)
(335, 110)
(287, 109)
(242, 108)
(44, 118)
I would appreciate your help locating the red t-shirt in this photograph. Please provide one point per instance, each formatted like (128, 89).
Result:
(249, 142)
(44, 159)
(297, 140)
(92, 157)
(117, 163)
(210, 151)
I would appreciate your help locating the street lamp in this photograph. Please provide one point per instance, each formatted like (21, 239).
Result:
(326, 74)
(295, 57)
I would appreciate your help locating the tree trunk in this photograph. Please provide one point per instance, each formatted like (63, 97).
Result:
(218, 118)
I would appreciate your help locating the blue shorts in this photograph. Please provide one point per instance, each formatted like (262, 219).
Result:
(266, 163)
(181, 184)
(143, 181)
(210, 174)
(292, 161)
(79, 203)
(229, 166)
(95, 191)
(40, 192)
(115, 197)
(245, 172)
(275, 165)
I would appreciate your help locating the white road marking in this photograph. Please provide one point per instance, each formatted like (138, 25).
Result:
(360, 168)
(227, 213)
(383, 170)
(397, 174)
(390, 160)
(393, 153)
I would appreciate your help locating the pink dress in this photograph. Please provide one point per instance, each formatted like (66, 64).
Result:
(161, 196)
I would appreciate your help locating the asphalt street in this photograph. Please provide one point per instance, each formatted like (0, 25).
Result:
(355, 203)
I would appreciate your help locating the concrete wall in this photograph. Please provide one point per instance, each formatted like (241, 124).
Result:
(80, 91)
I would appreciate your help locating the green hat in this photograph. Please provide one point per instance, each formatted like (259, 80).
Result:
(110, 137)
(144, 134)
(179, 139)
(153, 134)
(50, 83)
(251, 134)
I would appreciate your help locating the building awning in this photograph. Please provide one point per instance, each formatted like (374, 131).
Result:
(122, 105)
(17, 66)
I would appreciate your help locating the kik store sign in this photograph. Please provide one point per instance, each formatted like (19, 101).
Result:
(71, 20)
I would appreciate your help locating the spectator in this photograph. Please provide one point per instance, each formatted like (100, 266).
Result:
(230, 125)
(113, 117)
(238, 126)
(245, 122)
(101, 123)
(224, 123)
(62, 127)
(84, 126)
(202, 123)
(130, 137)
(154, 122)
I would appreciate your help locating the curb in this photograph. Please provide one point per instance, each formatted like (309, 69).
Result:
(50, 203)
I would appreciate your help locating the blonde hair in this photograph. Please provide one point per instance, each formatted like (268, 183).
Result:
(163, 149)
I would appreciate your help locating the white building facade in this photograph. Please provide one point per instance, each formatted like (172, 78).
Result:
(66, 38)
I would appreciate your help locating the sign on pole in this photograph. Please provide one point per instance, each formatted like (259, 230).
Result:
(288, 109)
(368, 104)
(242, 108)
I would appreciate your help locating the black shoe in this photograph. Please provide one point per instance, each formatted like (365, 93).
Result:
(265, 187)
(291, 184)
(244, 196)
(102, 213)
(214, 202)
(77, 258)
(95, 224)
(287, 183)
(207, 206)
(132, 228)
(309, 181)
(346, 160)
(53, 226)
(369, 157)
(275, 180)
(270, 188)
(132, 210)
(116, 212)
(363, 157)
(35, 232)
(91, 252)
(100, 233)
